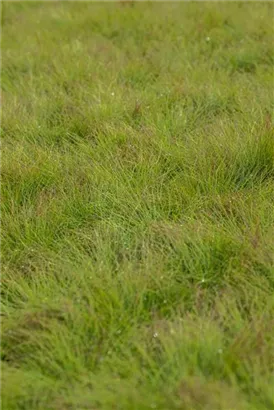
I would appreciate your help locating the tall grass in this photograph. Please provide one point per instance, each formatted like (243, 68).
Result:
(137, 206)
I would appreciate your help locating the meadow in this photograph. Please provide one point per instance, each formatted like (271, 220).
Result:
(137, 206)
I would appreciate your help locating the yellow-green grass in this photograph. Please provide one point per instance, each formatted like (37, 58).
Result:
(137, 206)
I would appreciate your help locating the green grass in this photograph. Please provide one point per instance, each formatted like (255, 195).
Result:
(137, 206)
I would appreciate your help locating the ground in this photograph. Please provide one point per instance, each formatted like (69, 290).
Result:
(137, 206)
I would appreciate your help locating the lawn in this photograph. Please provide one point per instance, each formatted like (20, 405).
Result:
(137, 206)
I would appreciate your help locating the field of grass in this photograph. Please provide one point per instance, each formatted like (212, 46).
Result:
(137, 206)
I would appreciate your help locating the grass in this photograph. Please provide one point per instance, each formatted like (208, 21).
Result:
(137, 206)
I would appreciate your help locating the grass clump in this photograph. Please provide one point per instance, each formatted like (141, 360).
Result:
(137, 206)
